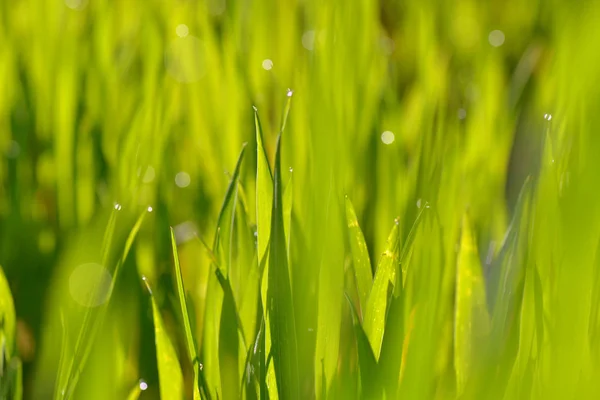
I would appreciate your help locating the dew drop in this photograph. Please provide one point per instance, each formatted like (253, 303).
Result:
(255, 109)
(290, 92)
(419, 203)
(143, 385)
(150, 209)
(117, 206)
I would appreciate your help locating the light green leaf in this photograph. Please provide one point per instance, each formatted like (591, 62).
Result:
(169, 370)
(279, 298)
(471, 320)
(191, 343)
(377, 304)
(264, 191)
(361, 262)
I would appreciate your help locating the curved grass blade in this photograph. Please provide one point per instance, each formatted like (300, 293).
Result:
(170, 376)
(361, 262)
(378, 302)
(189, 338)
(279, 298)
(471, 320)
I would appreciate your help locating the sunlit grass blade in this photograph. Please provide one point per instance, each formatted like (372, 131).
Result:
(225, 221)
(61, 372)
(190, 342)
(7, 323)
(288, 197)
(471, 320)
(221, 256)
(407, 247)
(378, 302)
(229, 330)
(279, 298)
(89, 328)
(361, 263)
(264, 191)
(169, 371)
(367, 363)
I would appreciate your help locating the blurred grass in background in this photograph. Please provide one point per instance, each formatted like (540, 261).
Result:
(470, 124)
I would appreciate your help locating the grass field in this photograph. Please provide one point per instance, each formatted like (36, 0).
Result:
(329, 199)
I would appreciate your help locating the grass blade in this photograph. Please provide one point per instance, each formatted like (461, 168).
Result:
(281, 307)
(366, 359)
(189, 338)
(169, 371)
(361, 262)
(264, 191)
(471, 320)
(377, 304)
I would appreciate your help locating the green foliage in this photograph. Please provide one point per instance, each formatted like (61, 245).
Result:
(469, 127)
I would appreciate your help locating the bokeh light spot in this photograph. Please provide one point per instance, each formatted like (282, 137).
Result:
(388, 137)
(267, 64)
(496, 38)
(89, 284)
(182, 179)
(182, 30)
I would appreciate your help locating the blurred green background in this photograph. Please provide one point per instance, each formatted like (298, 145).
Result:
(108, 108)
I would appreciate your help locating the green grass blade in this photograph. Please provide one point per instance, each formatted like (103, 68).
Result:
(264, 191)
(288, 197)
(61, 373)
(281, 307)
(170, 376)
(190, 342)
(471, 320)
(366, 359)
(377, 304)
(227, 215)
(90, 327)
(361, 262)
(7, 320)
(189, 338)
